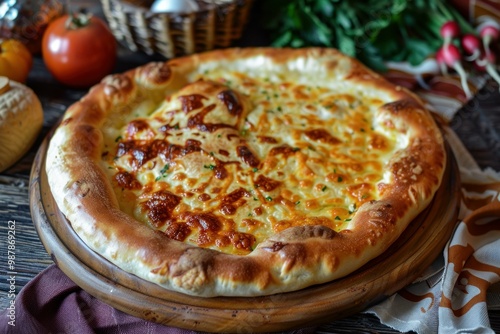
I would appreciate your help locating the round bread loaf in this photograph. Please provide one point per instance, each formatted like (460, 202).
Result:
(21, 119)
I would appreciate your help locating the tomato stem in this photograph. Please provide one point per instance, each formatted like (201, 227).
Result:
(78, 20)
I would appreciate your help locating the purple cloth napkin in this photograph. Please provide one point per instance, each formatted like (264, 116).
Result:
(52, 303)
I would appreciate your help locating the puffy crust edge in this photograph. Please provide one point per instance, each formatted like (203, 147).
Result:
(296, 258)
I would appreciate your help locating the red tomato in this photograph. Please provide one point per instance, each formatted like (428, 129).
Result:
(79, 50)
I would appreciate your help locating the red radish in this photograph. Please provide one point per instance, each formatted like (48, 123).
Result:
(472, 46)
(489, 31)
(441, 63)
(487, 64)
(451, 57)
(448, 31)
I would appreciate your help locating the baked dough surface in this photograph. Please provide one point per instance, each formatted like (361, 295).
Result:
(244, 172)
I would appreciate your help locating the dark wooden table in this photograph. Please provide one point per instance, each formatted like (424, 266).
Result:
(477, 124)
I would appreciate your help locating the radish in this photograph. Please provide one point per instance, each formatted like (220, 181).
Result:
(450, 55)
(489, 32)
(472, 46)
(448, 31)
(441, 63)
(487, 64)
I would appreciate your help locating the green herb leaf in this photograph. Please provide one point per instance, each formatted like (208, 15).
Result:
(164, 169)
(374, 31)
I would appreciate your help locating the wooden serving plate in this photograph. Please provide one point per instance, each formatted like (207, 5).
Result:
(405, 260)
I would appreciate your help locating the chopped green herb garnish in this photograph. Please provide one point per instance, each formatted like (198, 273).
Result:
(337, 218)
(211, 167)
(164, 169)
(118, 139)
(324, 188)
(340, 179)
(297, 203)
(269, 198)
(255, 170)
(348, 219)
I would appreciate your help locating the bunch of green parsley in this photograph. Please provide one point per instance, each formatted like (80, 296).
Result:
(374, 31)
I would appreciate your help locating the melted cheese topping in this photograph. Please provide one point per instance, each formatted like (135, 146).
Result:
(233, 158)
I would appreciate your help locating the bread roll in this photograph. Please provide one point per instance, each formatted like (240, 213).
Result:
(21, 119)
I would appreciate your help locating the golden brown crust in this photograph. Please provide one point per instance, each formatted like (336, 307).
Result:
(292, 259)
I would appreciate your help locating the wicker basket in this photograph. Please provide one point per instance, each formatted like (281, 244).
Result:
(216, 25)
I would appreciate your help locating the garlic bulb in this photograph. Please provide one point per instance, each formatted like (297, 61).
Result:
(21, 119)
(174, 6)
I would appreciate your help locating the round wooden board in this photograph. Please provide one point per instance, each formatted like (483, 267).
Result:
(412, 253)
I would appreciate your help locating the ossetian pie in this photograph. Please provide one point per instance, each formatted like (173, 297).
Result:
(244, 172)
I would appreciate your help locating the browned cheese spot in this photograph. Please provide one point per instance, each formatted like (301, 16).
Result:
(136, 126)
(322, 135)
(127, 180)
(266, 183)
(230, 99)
(267, 139)
(247, 156)
(232, 201)
(177, 231)
(204, 197)
(241, 240)
(286, 150)
(160, 205)
(191, 102)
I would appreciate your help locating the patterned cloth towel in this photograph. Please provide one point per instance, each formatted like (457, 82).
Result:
(454, 295)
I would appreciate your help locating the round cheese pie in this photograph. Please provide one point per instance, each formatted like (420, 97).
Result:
(244, 172)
